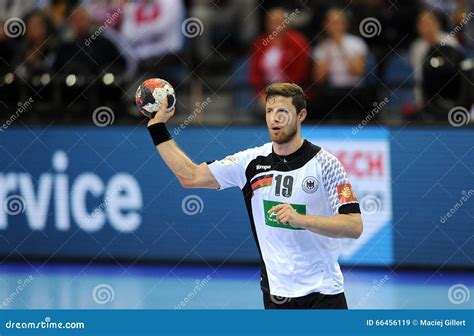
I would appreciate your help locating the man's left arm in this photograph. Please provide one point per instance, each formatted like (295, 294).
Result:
(336, 226)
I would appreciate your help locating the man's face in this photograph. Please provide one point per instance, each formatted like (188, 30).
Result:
(335, 24)
(80, 21)
(427, 26)
(274, 21)
(282, 121)
(36, 29)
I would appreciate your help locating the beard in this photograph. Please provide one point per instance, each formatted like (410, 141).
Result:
(284, 136)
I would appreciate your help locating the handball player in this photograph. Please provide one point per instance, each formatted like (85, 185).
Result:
(298, 196)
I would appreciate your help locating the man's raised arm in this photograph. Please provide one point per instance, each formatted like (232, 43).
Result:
(189, 174)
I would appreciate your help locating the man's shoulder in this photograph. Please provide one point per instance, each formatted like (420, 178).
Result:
(325, 158)
(253, 152)
(244, 157)
(354, 41)
(314, 146)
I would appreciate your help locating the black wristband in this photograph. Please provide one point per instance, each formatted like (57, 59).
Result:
(159, 133)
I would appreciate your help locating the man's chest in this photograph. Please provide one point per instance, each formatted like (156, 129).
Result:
(302, 186)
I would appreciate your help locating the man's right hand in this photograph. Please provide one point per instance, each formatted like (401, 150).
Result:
(162, 116)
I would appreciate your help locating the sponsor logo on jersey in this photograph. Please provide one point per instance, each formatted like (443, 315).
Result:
(310, 184)
(263, 167)
(261, 181)
(228, 160)
(271, 219)
(344, 191)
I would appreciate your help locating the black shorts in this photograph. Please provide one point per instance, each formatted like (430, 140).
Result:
(310, 301)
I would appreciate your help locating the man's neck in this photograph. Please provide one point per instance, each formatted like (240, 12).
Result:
(434, 38)
(289, 147)
(338, 38)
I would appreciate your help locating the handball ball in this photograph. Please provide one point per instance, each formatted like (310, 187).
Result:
(150, 94)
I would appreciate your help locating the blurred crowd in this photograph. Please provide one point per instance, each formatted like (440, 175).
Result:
(415, 58)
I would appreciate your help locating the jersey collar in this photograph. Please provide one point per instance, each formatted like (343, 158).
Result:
(293, 156)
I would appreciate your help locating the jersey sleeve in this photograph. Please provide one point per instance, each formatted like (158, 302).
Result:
(338, 188)
(230, 171)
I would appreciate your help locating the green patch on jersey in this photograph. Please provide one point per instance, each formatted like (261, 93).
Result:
(271, 219)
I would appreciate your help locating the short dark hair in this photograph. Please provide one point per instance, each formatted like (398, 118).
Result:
(292, 90)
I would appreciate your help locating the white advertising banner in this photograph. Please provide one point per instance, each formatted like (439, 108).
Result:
(366, 158)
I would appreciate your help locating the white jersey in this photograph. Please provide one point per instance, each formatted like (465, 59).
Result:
(296, 262)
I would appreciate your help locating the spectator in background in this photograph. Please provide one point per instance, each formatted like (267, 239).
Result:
(340, 59)
(339, 68)
(58, 10)
(36, 52)
(222, 20)
(281, 54)
(78, 53)
(310, 18)
(109, 15)
(152, 29)
(457, 17)
(464, 18)
(430, 35)
(106, 12)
